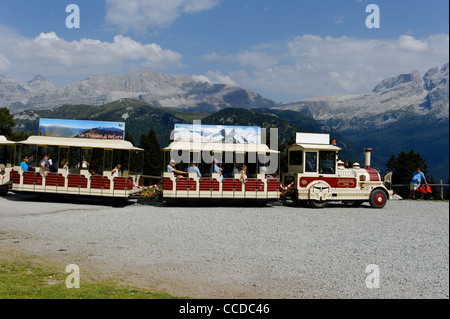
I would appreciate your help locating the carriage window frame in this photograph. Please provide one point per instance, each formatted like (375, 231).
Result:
(313, 169)
(296, 158)
(327, 166)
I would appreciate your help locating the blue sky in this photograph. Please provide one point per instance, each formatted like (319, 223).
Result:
(285, 50)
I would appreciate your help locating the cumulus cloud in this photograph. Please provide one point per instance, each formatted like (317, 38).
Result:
(4, 63)
(215, 77)
(55, 57)
(143, 14)
(310, 65)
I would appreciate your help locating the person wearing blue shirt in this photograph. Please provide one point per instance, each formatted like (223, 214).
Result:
(216, 168)
(194, 169)
(418, 177)
(24, 164)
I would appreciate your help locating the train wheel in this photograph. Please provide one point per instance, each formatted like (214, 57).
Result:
(378, 199)
(294, 198)
(318, 204)
(3, 191)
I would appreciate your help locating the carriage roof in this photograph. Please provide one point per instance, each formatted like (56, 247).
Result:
(316, 147)
(5, 141)
(80, 142)
(219, 147)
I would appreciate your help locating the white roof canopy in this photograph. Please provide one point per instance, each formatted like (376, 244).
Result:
(317, 147)
(219, 147)
(4, 141)
(80, 142)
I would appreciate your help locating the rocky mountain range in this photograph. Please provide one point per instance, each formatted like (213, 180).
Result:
(402, 113)
(407, 93)
(158, 89)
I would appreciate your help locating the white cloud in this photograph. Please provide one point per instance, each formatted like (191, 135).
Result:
(143, 14)
(310, 65)
(215, 77)
(54, 57)
(4, 63)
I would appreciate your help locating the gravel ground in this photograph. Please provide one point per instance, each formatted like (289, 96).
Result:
(234, 252)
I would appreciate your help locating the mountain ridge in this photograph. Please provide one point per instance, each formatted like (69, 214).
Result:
(159, 89)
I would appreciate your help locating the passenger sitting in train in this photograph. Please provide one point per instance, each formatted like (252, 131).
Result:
(65, 165)
(93, 168)
(194, 169)
(32, 161)
(263, 170)
(24, 164)
(45, 164)
(116, 170)
(83, 165)
(171, 168)
(216, 169)
(243, 177)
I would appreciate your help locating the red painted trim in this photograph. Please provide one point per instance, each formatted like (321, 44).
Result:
(55, 179)
(167, 184)
(374, 176)
(77, 181)
(339, 182)
(100, 182)
(14, 177)
(123, 183)
(32, 178)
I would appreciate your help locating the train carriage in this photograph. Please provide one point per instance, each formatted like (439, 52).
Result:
(78, 167)
(258, 189)
(7, 160)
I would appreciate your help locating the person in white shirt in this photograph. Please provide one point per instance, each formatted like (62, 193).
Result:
(116, 170)
(171, 168)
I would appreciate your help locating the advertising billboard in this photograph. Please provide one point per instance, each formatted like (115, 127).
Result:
(82, 129)
(217, 134)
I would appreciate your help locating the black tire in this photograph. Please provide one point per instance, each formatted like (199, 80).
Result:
(318, 204)
(294, 198)
(378, 199)
(3, 191)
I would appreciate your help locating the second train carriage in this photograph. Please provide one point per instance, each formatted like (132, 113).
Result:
(227, 185)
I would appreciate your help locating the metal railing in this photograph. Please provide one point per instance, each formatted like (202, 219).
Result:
(442, 186)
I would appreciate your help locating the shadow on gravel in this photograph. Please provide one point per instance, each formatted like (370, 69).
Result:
(68, 199)
(210, 203)
(331, 205)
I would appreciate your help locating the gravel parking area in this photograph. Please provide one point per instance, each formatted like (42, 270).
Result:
(242, 252)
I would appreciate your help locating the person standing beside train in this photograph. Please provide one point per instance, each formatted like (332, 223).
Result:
(418, 177)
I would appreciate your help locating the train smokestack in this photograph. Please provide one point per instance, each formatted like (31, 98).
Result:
(368, 152)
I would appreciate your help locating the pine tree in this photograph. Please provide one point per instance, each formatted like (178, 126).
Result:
(129, 137)
(152, 153)
(6, 122)
(403, 168)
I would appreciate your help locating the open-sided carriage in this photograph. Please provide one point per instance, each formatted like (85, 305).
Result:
(72, 161)
(259, 188)
(7, 160)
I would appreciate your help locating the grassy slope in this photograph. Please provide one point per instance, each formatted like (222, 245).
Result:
(28, 277)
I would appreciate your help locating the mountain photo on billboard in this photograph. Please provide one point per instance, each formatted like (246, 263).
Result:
(110, 133)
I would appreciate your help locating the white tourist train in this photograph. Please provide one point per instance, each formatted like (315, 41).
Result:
(201, 164)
